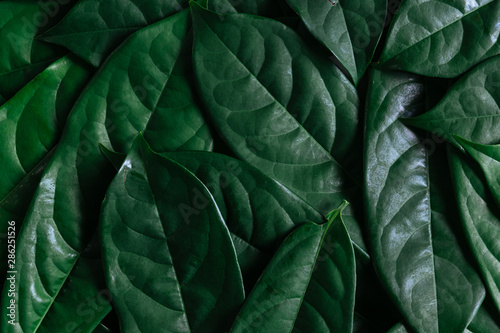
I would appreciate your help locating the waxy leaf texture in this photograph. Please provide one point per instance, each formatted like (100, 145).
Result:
(175, 165)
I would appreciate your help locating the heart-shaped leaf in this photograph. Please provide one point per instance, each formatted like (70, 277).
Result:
(167, 268)
(442, 38)
(415, 245)
(349, 29)
(289, 113)
(308, 286)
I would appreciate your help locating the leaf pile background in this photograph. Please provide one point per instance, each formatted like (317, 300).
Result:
(250, 166)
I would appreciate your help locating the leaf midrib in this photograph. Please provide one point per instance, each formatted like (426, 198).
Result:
(271, 95)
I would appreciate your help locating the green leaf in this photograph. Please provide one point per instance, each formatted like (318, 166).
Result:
(416, 248)
(31, 123)
(93, 28)
(349, 29)
(443, 39)
(480, 217)
(112, 110)
(258, 211)
(255, 238)
(289, 113)
(470, 109)
(488, 157)
(22, 57)
(166, 268)
(308, 286)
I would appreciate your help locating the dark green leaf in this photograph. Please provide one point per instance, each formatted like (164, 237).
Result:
(30, 124)
(169, 258)
(254, 235)
(415, 244)
(480, 217)
(277, 104)
(22, 57)
(111, 110)
(93, 28)
(308, 286)
(349, 29)
(445, 39)
(470, 109)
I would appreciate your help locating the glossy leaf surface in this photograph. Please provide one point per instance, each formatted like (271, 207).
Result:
(470, 109)
(442, 38)
(480, 217)
(193, 283)
(415, 244)
(93, 28)
(256, 236)
(30, 124)
(349, 29)
(22, 57)
(65, 208)
(258, 211)
(308, 286)
(289, 113)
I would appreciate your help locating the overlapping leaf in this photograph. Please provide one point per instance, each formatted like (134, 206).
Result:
(256, 235)
(30, 124)
(480, 217)
(277, 104)
(415, 245)
(193, 281)
(308, 286)
(93, 28)
(258, 211)
(22, 57)
(442, 38)
(349, 29)
(65, 208)
(470, 109)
